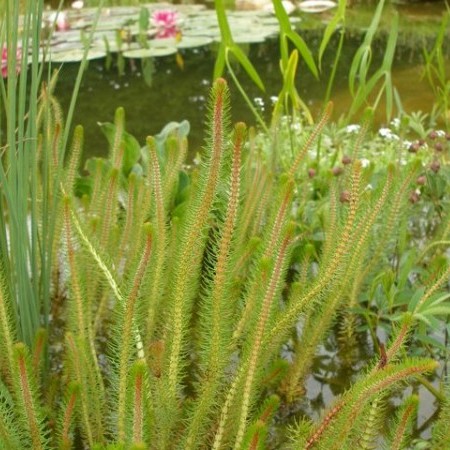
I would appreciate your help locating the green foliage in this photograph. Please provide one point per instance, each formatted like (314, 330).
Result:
(191, 283)
(189, 306)
(360, 84)
(437, 73)
(227, 47)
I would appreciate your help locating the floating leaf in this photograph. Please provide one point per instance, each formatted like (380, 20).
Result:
(316, 6)
(75, 55)
(149, 52)
(163, 43)
(191, 42)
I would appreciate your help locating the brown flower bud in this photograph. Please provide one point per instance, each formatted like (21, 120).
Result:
(344, 197)
(438, 146)
(311, 172)
(346, 160)
(433, 135)
(414, 147)
(421, 180)
(414, 197)
(435, 166)
(337, 171)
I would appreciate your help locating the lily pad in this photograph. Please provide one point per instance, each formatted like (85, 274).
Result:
(212, 33)
(188, 9)
(316, 6)
(75, 55)
(192, 42)
(121, 11)
(68, 36)
(248, 38)
(163, 43)
(67, 46)
(150, 52)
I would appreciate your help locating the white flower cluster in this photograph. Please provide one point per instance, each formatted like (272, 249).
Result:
(388, 134)
(353, 128)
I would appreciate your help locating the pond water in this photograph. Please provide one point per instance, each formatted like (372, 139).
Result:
(181, 93)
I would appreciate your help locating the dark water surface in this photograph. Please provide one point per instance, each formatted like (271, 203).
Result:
(177, 94)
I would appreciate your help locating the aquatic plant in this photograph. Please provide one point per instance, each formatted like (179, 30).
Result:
(175, 291)
(437, 73)
(184, 307)
(5, 61)
(166, 23)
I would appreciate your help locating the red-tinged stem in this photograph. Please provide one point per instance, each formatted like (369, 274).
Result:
(137, 424)
(67, 419)
(254, 442)
(127, 333)
(323, 426)
(28, 402)
(38, 351)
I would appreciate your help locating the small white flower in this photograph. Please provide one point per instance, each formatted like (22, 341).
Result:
(258, 101)
(369, 187)
(395, 123)
(440, 133)
(364, 162)
(78, 4)
(388, 134)
(407, 144)
(273, 99)
(353, 128)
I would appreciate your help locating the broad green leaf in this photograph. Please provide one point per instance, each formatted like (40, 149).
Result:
(224, 26)
(331, 28)
(415, 299)
(132, 149)
(181, 129)
(432, 302)
(423, 319)
(437, 311)
(361, 60)
(246, 64)
(304, 51)
(282, 16)
(431, 341)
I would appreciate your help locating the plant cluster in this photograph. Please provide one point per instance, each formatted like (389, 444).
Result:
(175, 292)
(148, 304)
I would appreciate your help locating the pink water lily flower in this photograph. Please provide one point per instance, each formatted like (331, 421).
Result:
(5, 60)
(166, 23)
